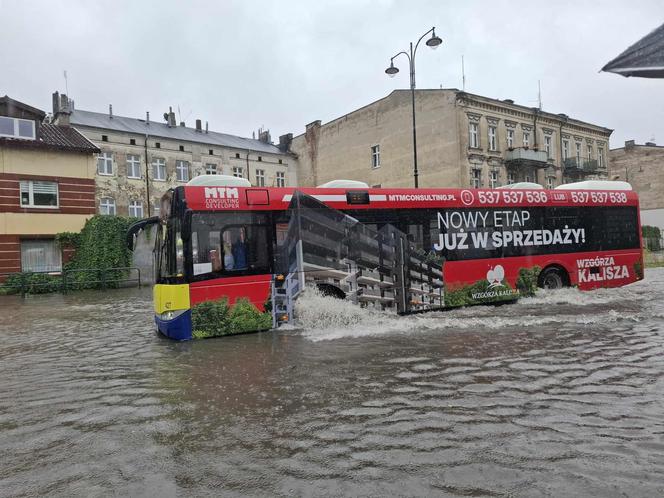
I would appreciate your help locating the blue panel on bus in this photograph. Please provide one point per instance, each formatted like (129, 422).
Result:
(178, 328)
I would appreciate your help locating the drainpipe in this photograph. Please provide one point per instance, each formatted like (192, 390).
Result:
(248, 166)
(147, 175)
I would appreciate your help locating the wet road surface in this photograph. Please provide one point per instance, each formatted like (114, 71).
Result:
(558, 395)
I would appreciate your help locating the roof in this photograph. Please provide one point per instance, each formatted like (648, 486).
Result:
(155, 129)
(15, 109)
(54, 137)
(645, 58)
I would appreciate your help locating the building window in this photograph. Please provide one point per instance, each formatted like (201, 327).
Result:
(211, 152)
(132, 141)
(238, 172)
(375, 156)
(39, 194)
(281, 179)
(105, 163)
(107, 205)
(281, 161)
(156, 209)
(510, 139)
(510, 177)
(133, 166)
(182, 171)
(473, 136)
(600, 157)
(528, 178)
(237, 155)
(547, 146)
(260, 178)
(549, 182)
(565, 149)
(159, 169)
(492, 138)
(526, 139)
(181, 148)
(17, 128)
(578, 153)
(493, 178)
(40, 255)
(104, 138)
(136, 209)
(260, 159)
(210, 169)
(589, 149)
(476, 180)
(157, 145)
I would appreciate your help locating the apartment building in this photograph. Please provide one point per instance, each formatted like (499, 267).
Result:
(463, 140)
(642, 166)
(140, 159)
(47, 186)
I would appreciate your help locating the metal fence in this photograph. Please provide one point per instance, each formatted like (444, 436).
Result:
(66, 280)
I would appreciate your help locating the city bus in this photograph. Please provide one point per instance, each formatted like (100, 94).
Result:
(231, 258)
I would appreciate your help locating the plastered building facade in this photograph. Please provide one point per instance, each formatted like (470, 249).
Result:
(463, 140)
(141, 159)
(642, 166)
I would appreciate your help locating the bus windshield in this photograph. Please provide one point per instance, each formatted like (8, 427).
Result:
(235, 243)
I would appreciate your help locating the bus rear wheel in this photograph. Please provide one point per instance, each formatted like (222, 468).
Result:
(553, 278)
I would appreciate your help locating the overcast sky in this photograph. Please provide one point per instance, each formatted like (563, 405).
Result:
(245, 64)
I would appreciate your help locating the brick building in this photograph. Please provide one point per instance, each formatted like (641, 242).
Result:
(46, 187)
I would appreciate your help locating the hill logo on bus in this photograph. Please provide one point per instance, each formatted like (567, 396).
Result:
(600, 269)
(495, 277)
(222, 198)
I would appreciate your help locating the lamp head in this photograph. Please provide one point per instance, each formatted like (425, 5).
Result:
(434, 41)
(391, 71)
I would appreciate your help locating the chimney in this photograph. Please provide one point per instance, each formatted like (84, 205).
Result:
(313, 124)
(61, 109)
(182, 123)
(199, 128)
(264, 136)
(206, 127)
(651, 144)
(170, 117)
(147, 117)
(110, 111)
(629, 144)
(285, 142)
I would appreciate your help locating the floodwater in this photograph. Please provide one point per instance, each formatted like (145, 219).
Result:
(558, 395)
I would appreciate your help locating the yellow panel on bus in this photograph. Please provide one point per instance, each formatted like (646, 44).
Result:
(170, 298)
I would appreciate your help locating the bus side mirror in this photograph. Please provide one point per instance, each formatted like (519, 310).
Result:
(135, 228)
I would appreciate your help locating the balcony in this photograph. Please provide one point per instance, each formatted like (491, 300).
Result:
(523, 156)
(580, 166)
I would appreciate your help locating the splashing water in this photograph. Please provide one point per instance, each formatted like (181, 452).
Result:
(321, 318)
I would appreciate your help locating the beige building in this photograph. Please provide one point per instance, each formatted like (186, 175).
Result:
(141, 159)
(642, 166)
(462, 140)
(46, 187)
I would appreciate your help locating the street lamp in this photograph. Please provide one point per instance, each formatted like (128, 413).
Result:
(391, 71)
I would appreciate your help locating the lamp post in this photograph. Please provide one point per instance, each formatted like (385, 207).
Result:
(432, 42)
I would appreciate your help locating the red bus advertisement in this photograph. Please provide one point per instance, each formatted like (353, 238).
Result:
(233, 258)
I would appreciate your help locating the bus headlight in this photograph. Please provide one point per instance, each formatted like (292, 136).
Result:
(171, 315)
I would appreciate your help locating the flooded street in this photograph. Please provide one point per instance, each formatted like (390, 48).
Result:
(558, 395)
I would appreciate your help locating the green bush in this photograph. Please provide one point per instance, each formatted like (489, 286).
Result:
(216, 318)
(32, 283)
(100, 245)
(527, 281)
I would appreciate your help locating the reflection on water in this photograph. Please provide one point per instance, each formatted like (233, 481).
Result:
(559, 395)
